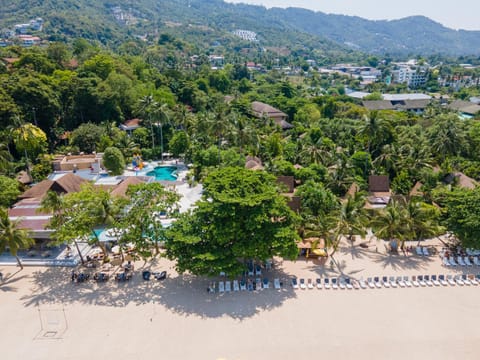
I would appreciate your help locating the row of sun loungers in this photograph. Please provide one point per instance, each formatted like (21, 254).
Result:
(242, 285)
(461, 261)
(386, 282)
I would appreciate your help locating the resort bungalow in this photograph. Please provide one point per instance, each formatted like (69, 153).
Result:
(379, 193)
(417, 106)
(261, 111)
(130, 125)
(27, 207)
(466, 109)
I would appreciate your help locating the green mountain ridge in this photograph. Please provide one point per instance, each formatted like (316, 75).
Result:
(275, 27)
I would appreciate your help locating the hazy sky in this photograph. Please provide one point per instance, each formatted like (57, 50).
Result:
(456, 14)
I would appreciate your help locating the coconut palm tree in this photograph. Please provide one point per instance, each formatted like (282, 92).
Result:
(423, 220)
(146, 108)
(12, 236)
(352, 217)
(391, 223)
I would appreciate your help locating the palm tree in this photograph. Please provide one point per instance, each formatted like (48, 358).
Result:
(375, 132)
(352, 217)
(147, 105)
(12, 236)
(162, 116)
(422, 220)
(391, 223)
(447, 136)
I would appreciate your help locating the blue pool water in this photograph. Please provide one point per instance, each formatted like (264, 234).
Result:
(164, 173)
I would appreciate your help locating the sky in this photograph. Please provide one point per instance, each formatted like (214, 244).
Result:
(457, 14)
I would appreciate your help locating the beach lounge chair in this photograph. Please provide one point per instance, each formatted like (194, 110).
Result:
(460, 261)
(425, 251)
(377, 282)
(266, 283)
(302, 284)
(243, 285)
(160, 275)
(294, 283)
(318, 281)
(221, 287)
(458, 280)
(467, 261)
(258, 283)
(452, 261)
(392, 281)
(310, 283)
(362, 283)
(385, 281)
(415, 283)
(371, 283)
(228, 286)
(235, 285)
(476, 261)
(427, 280)
(441, 279)
(326, 283)
(222, 273)
(250, 285)
(355, 283)
(258, 270)
(276, 283)
(348, 283)
(472, 279)
(419, 251)
(400, 282)
(466, 280)
(421, 281)
(341, 283)
(445, 261)
(451, 280)
(407, 281)
(334, 284)
(250, 270)
(435, 280)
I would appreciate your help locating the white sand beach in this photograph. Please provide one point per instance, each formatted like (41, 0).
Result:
(45, 316)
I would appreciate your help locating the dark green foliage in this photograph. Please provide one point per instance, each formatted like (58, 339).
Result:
(461, 215)
(241, 216)
(10, 189)
(113, 160)
(86, 137)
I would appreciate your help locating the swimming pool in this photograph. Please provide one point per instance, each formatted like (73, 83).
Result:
(168, 173)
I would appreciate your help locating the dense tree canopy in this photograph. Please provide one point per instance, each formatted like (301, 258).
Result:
(242, 216)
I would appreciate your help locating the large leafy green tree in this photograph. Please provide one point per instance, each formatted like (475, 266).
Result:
(141, 220)
(12, 236)
(10, 189)
(83, 212)
(113, 160)
(241, 216)
(461, 215)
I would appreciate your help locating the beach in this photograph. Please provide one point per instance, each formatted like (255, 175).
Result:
(45, 316)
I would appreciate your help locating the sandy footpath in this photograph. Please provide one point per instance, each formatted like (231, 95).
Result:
(44, 316)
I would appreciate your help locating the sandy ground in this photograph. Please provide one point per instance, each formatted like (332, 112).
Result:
(44, 316)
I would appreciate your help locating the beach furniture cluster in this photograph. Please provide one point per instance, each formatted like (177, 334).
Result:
(460, 257)
(379, 282)
(121, 274)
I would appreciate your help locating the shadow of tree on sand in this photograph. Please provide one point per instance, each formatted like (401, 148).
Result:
(399, 262)
(185, 295)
